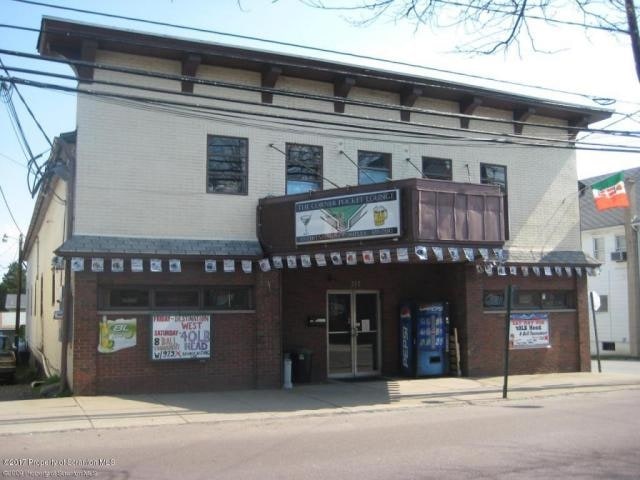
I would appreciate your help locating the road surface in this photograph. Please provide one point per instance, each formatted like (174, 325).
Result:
(593, 435)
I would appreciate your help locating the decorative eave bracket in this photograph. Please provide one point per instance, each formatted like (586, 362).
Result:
(577, 124)
(270, 74)
(467, 107)
(87, 54)
(341, 88)
(522, 116)
(408, 98)
(190, 65)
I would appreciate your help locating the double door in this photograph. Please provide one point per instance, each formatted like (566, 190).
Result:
(353, 331)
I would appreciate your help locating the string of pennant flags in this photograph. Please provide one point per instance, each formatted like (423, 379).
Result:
(494, 262)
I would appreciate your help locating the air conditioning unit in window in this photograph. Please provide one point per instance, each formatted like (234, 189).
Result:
(619, 256)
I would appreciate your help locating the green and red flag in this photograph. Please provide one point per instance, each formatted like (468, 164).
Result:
(610, 192)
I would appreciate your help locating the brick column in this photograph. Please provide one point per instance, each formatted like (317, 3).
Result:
(268, 356)
(85, 333)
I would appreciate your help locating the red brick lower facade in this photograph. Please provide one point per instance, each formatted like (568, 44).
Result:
(247, 347)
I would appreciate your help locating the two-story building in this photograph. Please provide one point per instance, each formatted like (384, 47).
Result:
(219, 206)
(609, 237)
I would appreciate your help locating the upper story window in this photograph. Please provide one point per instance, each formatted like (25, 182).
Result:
(598, 248)
(497, 175)
(227, 165)
(373, 167)
(436, 168)
(304, 168)
(621, 243)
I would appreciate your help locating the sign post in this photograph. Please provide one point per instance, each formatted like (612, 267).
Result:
(507, 329)
(594, 299)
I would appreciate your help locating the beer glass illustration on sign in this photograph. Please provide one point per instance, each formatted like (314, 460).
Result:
(379, 215)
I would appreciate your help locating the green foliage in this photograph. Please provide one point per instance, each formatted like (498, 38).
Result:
(9, 283)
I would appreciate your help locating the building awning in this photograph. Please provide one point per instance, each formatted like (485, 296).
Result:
(84, 245)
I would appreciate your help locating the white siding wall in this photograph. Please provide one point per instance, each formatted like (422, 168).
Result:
(143, 173)
(613, 325)
(43, 332)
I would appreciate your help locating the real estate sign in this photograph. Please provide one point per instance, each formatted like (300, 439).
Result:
(180, 336)
(529, 330)
(348, 217)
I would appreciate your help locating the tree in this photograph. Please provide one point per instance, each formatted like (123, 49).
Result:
(498, 25)
(9, 282)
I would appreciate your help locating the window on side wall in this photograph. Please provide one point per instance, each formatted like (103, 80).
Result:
(304, 168)
(621, 243)
(598, 248)
(227, 165)
(497, 175)
(436, 168)
(373, 167)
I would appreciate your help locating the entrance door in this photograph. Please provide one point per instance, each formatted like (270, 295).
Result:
(353, 332)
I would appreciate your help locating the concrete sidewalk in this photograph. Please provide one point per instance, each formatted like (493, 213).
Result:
(71, 413)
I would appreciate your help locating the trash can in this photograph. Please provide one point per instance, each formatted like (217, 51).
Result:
(301, 365)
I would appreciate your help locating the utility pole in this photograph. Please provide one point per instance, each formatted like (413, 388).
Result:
(632, 22)
(18, 302)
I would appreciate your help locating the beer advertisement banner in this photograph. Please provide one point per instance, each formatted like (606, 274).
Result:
(348, 217)
(529, 330)
(180, 336)
(117, 334)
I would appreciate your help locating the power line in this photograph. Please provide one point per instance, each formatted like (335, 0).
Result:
(545, 143)
(308, 96)
(502, 136)
(593, 98)
(26, 105)
(9, 209)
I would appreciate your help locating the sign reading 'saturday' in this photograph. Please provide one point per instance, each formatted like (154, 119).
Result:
(180, 336)
(529, 330)
(348, 217)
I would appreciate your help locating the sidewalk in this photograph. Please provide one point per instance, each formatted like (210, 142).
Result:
(72, 413)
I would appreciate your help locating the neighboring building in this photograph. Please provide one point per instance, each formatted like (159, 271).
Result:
(8, 317)
(608, 237)
(205, 203)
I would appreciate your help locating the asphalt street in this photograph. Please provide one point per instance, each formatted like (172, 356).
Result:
(590, 435)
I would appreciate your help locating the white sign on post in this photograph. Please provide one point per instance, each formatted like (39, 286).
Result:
(529, 330)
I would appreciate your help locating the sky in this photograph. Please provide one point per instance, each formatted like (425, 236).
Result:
(591, 64)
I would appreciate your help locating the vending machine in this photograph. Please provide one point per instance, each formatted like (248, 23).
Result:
(424, 333)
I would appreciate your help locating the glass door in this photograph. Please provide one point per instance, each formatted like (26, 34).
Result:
(353, 332)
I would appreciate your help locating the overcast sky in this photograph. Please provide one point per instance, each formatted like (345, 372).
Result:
(598, 64)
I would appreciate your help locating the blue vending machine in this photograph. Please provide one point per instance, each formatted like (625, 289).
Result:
(407, 340)
(432, 333)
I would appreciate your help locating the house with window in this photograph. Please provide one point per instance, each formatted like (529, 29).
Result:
(8, 316)
(609, 237)
(219, 208)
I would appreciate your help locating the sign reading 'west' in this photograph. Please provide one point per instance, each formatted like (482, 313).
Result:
(180, 336)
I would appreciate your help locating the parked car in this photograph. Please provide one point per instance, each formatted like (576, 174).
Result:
(7, 359)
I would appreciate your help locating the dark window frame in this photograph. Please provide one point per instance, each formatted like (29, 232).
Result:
(320, 174)
(540, 300)
(448, 166)
(243, 176)
(105, 301)
(388, 159)
(504, 189)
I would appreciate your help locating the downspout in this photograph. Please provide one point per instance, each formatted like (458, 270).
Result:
(67, 315)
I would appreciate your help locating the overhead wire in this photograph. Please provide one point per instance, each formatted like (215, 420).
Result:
(595, 98)
(314, 121)
(9, 210)
(307, 96)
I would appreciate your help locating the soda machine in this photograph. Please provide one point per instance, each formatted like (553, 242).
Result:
(424, 333)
